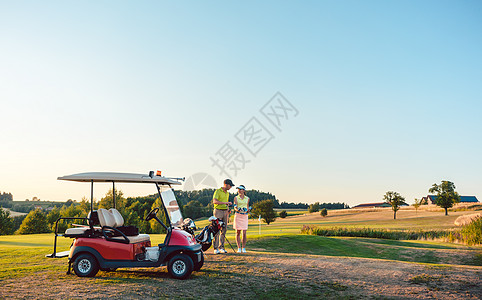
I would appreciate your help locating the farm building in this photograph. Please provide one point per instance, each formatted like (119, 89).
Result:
(430, 199)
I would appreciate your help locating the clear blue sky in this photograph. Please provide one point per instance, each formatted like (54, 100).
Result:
(389, 94)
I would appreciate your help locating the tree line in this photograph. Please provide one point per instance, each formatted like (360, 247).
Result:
(193, 204)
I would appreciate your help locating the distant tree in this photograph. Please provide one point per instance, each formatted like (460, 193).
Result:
(193, 209)
(6, 200)
(35, 222)
(417, 204)
(107, 201)
(315, 207)
(85, 205)
(205, 196)
(155, 226)
(446, 196)
(17, 221)
(6, 197)
(265, 210)
(136, 210)
(6, 223)
(395, 200)
(324, 212)
(283, 214)
(294, 205)
(52, 217)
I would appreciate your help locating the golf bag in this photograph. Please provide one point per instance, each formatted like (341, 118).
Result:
(188, 226)
(205, 238)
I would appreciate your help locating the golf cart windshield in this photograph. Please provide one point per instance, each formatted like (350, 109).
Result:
(170, 203)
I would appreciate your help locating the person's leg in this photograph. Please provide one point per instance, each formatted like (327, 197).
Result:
(217, 214)
(244, 239)
(224, 229)
(238, 238)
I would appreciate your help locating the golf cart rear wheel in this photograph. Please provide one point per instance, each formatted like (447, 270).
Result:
(85, 265)
(180, 266)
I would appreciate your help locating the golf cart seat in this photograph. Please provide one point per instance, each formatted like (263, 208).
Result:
(83, 230)
(112, 218)
(76, 231)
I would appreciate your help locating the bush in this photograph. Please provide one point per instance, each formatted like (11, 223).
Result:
(283, 214)
(379, 233)
(324, 212)
(35, 222)
(472, 233)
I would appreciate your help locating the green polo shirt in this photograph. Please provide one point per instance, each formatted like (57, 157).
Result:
(221, 196)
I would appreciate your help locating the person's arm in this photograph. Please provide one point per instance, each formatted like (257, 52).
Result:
(216, 201)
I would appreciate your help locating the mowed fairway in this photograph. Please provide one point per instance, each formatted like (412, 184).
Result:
(280, 264)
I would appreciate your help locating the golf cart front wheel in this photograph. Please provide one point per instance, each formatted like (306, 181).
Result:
(180, 266)
(85, 265)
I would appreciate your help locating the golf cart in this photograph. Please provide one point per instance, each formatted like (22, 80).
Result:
(105, 243)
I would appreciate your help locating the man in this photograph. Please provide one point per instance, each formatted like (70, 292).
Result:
(221, 211)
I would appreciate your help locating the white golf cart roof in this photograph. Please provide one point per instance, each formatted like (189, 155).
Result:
(119, 177)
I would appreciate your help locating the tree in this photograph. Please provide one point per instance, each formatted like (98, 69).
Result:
(395, 200)
(35, 222)
(107, 201)
(315, 207)
(6, 223)
(265, 210)
(417, 204)
(17, 221)
(155, 226)
(283, 214)
(324, 212)
(52, 217)
(193, 209)
(446, 196)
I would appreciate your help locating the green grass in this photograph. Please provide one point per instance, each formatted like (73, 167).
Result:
(22, 255)
(413, 251)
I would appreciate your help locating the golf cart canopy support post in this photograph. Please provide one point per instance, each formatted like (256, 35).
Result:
(113, 193)
(164, 206)
(91, 197)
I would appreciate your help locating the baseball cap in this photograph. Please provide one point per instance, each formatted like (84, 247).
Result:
(228, 181)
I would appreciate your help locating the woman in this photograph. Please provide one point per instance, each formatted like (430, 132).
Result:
(241, 204)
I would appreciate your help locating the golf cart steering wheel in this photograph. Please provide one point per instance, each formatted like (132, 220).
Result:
(152, 214)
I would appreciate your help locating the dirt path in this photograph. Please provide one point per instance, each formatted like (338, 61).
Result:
(259, 275)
